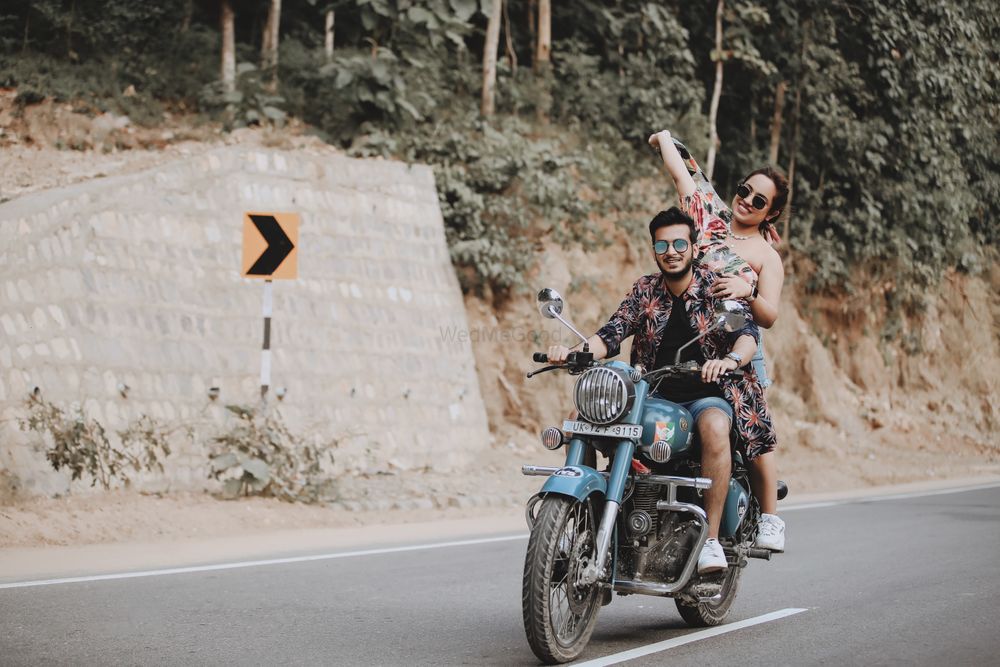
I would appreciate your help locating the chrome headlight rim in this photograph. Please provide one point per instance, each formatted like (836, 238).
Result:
(598, 387)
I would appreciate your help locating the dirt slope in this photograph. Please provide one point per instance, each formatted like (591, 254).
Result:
(850, 410)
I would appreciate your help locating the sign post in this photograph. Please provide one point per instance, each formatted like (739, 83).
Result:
(270, 251)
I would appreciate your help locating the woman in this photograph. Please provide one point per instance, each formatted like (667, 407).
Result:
(737, 244)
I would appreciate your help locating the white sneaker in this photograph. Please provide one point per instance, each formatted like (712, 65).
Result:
(770, 533)
(712, 558)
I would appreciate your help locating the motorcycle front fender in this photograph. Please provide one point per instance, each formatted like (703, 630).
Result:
(575, 482)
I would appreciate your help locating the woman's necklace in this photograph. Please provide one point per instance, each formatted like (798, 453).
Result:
(729, 231)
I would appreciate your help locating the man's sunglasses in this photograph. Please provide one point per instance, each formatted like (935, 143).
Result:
(758, 201)
(680, 245)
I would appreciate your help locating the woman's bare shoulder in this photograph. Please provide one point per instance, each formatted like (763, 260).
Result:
(770, 257)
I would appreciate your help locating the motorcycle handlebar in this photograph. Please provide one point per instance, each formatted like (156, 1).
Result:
(695, 371)
(540, 357)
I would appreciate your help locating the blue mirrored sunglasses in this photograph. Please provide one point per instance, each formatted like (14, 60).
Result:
(680, 245)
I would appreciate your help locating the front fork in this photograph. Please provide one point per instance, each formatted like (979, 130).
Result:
(620, 468)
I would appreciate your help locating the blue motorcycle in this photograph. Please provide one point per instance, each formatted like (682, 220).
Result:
(639, 525)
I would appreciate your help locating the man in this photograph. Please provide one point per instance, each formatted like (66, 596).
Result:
(667, 309)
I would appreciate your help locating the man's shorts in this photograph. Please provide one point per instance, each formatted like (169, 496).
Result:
(698, 406)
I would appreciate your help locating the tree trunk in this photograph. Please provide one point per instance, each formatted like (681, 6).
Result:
(70, 53)
(328, 42)
(543, 49)
(509, 39)
(779, 106)
(188, 13)
(27, 22)
(804, 31)
(532, 29)
(269, 44)
(228, 20)
(543, 59)
(490, 60)
(791, 162)
(713, 110)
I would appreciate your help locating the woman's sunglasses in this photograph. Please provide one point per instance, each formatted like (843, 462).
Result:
(680, 245)
(758, 201)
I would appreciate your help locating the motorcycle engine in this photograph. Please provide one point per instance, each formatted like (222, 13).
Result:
(658, 543)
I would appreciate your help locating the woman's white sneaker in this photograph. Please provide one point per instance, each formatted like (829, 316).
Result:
(712, 557)
(770, 533)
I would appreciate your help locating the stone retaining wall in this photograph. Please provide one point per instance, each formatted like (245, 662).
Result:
(134, 280)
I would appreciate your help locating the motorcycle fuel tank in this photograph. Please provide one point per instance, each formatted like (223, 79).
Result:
(663, 420)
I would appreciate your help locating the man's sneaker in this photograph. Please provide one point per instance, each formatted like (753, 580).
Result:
(770, 533)
(712, 558)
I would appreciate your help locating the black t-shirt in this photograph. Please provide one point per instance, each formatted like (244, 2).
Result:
(678, 332)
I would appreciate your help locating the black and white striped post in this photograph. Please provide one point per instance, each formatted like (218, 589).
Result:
(265, 352)
(274, 259)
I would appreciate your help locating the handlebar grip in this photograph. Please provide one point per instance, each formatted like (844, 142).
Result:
(540, 357)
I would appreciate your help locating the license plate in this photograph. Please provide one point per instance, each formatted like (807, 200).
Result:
(630, 431)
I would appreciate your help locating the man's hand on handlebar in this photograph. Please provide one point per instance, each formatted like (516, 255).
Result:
(558, 354)
(713, 368)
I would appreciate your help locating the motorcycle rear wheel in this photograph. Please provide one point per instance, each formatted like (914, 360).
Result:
(560, 614)
(701, 614)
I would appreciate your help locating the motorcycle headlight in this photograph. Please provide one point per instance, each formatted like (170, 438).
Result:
(603, 395)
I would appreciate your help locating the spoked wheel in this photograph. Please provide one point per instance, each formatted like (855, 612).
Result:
(700, 614)
(559, 610)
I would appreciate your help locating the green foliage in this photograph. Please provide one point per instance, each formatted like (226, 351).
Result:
(161, 73)
(81, 444)
(896, 165)
(251, 103)
(891, 109)
(501, 190)
(259, 456)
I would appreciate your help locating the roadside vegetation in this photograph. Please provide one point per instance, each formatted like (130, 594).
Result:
(253, 454)
(534, 114)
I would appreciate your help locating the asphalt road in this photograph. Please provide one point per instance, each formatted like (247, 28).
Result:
(909, 581)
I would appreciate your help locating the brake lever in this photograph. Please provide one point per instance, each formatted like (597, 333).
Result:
(553, 367)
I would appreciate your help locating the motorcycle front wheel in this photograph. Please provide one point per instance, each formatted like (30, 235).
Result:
(559, 611)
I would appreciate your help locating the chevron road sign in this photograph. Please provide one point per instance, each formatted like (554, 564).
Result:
(270, 246)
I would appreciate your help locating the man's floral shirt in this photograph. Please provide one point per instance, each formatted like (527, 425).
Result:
(644, 315)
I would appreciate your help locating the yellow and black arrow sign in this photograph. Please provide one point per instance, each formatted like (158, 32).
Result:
(270, 245)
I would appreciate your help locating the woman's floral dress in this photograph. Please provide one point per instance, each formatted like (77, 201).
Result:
(714, 219)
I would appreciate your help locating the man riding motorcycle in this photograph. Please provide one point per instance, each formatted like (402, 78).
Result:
(662, 312)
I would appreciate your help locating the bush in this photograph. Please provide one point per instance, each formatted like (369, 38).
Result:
(81, 444)
(259, 456)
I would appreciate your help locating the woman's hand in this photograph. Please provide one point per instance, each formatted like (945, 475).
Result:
(713, 368)
(660, 139)
(731, 287)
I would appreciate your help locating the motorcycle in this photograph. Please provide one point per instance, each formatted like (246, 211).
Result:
(639, 526)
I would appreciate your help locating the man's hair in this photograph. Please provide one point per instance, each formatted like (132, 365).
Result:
(673, 216)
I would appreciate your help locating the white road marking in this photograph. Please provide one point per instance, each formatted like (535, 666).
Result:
(632, 654)
(896, 496)
(259, 563)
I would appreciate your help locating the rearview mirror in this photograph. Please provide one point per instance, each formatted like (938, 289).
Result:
(730, 315)
(550, 303)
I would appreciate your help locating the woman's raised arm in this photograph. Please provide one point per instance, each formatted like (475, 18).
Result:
(674, 163)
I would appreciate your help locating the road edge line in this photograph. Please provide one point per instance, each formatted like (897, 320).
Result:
(256, 563)
(891, 496)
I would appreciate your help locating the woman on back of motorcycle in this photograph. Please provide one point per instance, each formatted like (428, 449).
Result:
(737, 244)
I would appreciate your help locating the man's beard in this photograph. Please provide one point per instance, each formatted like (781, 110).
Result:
(681, 270)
